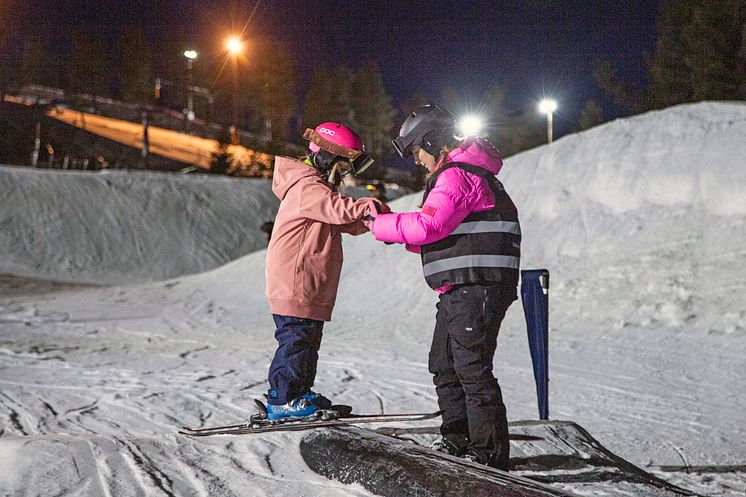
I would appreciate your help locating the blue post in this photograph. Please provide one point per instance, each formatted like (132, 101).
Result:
(535, 296)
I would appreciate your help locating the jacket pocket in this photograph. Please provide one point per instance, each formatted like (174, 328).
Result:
(320, 275)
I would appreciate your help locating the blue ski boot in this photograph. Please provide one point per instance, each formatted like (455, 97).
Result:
(304, 406)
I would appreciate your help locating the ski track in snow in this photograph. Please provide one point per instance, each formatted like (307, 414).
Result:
(647, 346)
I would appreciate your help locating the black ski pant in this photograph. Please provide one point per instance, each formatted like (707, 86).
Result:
(461, 361)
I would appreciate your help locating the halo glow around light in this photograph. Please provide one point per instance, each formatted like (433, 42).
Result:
(546, 106)
(470, 125)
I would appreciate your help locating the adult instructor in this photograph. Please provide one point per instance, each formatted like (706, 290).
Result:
(469, 237)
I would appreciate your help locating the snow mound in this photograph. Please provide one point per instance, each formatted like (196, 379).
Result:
(642, 219)
(121, 227)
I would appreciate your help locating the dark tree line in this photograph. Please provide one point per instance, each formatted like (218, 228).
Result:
(700, 54)
(355, 98)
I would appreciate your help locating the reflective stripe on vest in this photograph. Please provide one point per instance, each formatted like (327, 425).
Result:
(467, 261)
(487, 227)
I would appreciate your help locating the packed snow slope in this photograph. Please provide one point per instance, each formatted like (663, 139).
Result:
(120, 227)
(640, 221)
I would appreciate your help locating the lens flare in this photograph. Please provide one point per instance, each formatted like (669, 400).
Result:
(470, 125)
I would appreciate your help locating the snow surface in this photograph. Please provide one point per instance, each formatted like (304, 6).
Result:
(120, 227)
(640, 221)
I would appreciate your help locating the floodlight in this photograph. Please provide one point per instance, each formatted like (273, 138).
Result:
(546, 106)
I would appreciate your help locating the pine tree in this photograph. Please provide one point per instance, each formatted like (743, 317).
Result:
(699, 55)
(670, 78)
(33, 62)
(373, 114)
(86, 65)
(592, 115)
(277, 96)
(328, 97)
(624, 93)
(316, 101)
(713, 40)
(134, 66)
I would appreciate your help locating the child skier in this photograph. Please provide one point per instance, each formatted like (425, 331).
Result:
(304, 259)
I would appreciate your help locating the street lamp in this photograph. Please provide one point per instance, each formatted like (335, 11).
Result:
(235, 47)
(547, 107)
(190, 55)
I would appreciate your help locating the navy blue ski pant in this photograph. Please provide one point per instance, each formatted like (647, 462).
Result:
(293, 369)
(461, 361)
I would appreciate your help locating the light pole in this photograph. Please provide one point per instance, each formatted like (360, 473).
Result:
(235, 47)
(190, 55)
(548, 107)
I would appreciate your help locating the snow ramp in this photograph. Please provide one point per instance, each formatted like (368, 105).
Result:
(125, 227)
(548, 458)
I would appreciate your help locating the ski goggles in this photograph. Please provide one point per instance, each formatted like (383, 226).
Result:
(360, 163)
(402, 146)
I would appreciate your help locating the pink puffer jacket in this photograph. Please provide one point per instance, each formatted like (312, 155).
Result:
(455, 195)
(304, 257)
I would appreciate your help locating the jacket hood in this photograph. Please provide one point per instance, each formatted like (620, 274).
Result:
(289, 171)
(478, 152)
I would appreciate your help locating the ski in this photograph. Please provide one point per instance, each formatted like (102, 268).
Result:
(337, 416)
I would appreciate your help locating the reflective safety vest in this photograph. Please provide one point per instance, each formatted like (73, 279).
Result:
(485, 249)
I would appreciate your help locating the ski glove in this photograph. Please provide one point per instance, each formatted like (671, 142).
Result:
(374, 209)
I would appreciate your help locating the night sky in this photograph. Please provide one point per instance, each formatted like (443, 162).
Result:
(531, 48)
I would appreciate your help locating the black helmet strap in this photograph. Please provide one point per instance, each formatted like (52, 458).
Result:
(323, 160)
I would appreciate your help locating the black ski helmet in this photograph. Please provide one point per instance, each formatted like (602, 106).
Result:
(430, 127)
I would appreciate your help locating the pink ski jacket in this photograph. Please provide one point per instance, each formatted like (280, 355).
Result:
(455, 195)
(304, 257)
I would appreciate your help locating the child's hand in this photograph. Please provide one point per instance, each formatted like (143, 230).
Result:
(374, 209)
(385, 209)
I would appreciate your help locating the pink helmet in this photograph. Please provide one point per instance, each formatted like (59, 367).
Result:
(326, 135)
(339, 141)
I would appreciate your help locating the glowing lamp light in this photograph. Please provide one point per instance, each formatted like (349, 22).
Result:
(547, 106)
(190, 54)
(234, 45)
(470, 125)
